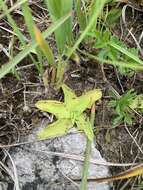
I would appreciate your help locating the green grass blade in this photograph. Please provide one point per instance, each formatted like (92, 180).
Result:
(28, 19)
(10, 65)
(126, 52)
(20, 36)
(81, 15)
(98, 6)
(57, 9)
(116, 63)
(30, 25)
(16, 5)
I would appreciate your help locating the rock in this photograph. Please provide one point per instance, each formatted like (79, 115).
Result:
(3, 186)
(39, 170)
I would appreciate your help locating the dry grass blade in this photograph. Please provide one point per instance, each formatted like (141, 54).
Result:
(44, 46)
(7, 170)
(81, 158)
(135, 171)
(16, 182)
(70, 156)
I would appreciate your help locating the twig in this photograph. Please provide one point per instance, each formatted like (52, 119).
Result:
(69, 156)
(133, 138)
(81, 158)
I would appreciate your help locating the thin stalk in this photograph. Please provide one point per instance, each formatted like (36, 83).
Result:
(83, 185)
(60, 71)
(126, 52)
(134, 66)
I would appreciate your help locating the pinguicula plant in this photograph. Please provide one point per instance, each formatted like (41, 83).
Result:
(69, 113)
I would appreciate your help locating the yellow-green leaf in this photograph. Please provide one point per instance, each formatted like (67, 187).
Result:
(58, 128)
(85, 101)
(93, 95)
(68, 94)
(55, 107)
(84, 124)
